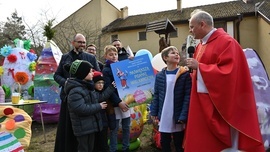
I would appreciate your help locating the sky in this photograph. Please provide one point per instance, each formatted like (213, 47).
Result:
(31, 10)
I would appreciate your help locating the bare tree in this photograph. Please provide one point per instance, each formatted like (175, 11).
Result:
(34, 33)
(37, 32)
(72, 25)
(64, 31)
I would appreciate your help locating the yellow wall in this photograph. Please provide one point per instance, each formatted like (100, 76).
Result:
(264, 43)
(90, 13)
(108, 12)
(99, 12)
(249, 33)
(131, 38)
(88, 20)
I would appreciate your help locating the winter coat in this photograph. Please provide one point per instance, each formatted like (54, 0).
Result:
(108, 115)
(84, 107)
(182, 90)
(122, 55)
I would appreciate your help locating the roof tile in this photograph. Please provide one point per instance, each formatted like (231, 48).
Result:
(218, 11)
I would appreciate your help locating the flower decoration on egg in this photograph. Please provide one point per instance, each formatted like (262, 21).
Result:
(32, 66)
(27, 44)
(32, 51)
(31, 90)
(31, 56)
(6, 50)
(12, 58)
(21, 77)
(1, 70)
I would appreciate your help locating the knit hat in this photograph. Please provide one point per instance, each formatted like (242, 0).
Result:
(97, 76)
(80, 69)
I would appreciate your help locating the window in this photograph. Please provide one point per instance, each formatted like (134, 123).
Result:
(174, 34)
(221, 24)
(142, 36)
(113, 37)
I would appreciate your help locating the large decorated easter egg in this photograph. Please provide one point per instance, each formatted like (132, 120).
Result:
(18, 67)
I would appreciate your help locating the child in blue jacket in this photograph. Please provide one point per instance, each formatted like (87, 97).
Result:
(171, 100)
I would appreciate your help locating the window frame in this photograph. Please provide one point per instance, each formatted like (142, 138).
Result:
(140, 36)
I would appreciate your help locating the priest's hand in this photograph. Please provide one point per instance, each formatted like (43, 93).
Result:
(192, 63)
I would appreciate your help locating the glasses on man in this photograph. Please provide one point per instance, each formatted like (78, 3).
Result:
(81, 42)
(91, 49)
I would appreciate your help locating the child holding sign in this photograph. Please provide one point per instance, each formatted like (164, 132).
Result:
(121, 109)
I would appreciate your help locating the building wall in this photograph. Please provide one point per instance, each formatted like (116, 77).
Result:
(108, 12)
(248, 36)
(88, 20)
(90, 13)
(100, 12)
(248, 33)
(254, 33)
(151, 43)
(183, 32)
(263, 43)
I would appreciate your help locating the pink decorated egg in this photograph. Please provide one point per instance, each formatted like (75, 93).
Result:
(139, 96)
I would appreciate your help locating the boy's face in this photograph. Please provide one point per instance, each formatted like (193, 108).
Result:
(173, 57)
(112, 56)
(90, 75)
(99, 85)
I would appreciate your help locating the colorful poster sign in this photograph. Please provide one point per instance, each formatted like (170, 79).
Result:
(134, 80)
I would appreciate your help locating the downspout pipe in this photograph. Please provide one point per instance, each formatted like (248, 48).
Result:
(239, 19)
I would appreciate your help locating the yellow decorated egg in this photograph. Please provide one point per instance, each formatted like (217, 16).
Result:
(129, 98)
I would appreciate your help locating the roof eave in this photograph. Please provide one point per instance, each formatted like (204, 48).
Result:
(264, 17)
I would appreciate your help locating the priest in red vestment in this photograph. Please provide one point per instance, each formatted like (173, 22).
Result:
(222, 113)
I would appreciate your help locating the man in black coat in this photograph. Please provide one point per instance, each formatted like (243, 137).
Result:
(122, 53)
(65, 140)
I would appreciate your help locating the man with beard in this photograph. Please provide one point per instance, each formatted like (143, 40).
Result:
(122, 53)
(65, 140)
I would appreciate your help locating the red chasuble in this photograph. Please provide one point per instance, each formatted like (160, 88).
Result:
(229, 103)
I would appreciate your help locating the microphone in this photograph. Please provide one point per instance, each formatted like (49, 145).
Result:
(191, 50)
